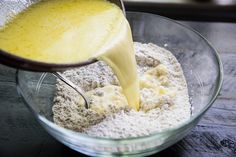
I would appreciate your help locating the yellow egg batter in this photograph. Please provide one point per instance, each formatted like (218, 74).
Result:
(70, 31)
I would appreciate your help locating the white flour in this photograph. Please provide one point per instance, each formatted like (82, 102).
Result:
(163, 92)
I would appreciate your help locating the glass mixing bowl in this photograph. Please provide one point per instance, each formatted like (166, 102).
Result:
(202, 68)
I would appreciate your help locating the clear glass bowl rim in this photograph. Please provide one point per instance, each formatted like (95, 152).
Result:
(66, 132)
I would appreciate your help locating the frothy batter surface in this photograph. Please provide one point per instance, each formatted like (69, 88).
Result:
(163, 91)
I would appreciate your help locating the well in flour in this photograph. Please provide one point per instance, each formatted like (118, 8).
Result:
(163, 93)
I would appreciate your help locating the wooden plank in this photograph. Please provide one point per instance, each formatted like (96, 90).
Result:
(228, 90)
(220, 35)
(225, 104)
(219, 117)
(205, 141)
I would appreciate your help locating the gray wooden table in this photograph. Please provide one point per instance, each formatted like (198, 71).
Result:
(214, 136)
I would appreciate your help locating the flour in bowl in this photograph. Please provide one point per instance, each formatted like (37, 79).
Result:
(164, 100)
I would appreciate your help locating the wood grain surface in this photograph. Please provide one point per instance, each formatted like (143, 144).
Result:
(214, 136)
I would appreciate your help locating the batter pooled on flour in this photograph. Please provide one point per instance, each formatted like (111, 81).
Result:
(164, 100)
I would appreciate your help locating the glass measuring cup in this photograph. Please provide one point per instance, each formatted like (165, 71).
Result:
(9, 9)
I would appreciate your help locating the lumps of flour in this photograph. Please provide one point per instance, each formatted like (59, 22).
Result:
(164, 100)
